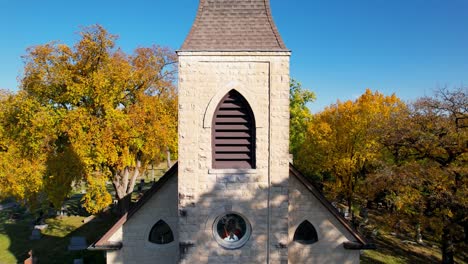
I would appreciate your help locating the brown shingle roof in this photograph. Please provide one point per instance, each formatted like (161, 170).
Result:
(234, 25)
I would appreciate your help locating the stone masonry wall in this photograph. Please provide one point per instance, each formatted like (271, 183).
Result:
(135, 232)
(331, 234)
(260, 194)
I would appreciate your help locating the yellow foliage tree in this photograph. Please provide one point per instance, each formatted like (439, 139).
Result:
(110, 114)
(342, 140)
(26, 136)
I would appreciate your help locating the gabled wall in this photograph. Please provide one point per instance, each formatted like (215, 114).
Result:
(135, 232)
(303, 205)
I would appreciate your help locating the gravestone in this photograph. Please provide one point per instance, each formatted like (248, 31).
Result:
(41, 227)
(78, 261)
(35, 235)
(346, 213)
(77, 243)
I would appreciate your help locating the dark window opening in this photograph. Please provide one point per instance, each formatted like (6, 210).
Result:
(161, 233)
(233, 133)
(305, 233)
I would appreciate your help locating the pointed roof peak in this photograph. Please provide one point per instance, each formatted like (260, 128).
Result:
(234, 25)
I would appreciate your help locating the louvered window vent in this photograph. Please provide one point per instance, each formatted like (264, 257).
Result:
(233, 133)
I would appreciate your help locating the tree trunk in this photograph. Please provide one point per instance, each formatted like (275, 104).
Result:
(124, 183)
(169, 163)
(123, 204)
(447, 247)
(350, 211)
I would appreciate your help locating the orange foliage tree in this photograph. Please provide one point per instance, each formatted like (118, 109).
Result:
(426, 177)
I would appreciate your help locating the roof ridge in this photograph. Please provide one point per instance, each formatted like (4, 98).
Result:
(195, 22)
(273, 25)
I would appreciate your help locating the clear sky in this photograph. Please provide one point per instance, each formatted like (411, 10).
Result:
(340, 47)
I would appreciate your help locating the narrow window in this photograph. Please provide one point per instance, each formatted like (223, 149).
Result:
(161, 233)
(305, 233)
(233, 133)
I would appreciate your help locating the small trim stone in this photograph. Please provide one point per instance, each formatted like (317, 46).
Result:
(232, 171)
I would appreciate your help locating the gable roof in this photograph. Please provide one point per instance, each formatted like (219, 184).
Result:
(103, 243)
(233, 25)
(361, 242)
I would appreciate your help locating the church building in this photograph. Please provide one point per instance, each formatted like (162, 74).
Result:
(233, 196)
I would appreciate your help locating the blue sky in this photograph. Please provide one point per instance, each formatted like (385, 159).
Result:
(340, 47)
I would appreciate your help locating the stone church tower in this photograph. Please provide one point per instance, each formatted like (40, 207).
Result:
(233, 197)
(233, 134)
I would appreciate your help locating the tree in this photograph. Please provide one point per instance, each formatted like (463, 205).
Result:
(113, 113)
(342, 141)
(299, 114)
(428, 172)
(26, 136)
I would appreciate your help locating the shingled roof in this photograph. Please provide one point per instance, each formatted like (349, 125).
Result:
(234, 25)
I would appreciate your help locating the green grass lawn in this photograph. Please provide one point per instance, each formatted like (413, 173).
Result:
(392, 250)
(52, 247)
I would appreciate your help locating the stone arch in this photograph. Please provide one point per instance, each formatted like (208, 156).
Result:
(305, 233)
(246, 93)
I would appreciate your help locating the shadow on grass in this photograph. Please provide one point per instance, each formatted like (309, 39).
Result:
(391, 249)
(53, 246)
(389, 246)
(73, 205)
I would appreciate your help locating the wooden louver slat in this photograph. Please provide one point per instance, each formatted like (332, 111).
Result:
(233, 133)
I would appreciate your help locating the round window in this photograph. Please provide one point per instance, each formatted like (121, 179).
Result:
(231, 230)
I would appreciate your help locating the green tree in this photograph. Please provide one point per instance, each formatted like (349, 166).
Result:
(299, 114)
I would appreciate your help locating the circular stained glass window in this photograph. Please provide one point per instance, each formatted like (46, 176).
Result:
(231, 230)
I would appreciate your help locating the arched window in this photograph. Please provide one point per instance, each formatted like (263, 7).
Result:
(161, 233)
(233, 133)
(305, 233)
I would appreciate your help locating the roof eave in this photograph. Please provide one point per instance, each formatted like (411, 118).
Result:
(310, 185)
(104, 242)
(233, 50)
(353, 245)
(107, 246)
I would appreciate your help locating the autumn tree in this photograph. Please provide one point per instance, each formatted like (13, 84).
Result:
(26, 136)
(342, 141)
(114, 113)
(428, 172)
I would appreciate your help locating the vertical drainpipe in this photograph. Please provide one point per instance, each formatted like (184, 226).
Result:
(269, 163)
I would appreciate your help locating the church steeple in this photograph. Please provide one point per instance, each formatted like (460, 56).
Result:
(234, 25)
